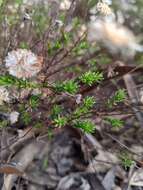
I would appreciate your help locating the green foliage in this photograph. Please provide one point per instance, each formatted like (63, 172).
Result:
(81, 47)
(56, 110)
(60, 121)
(3, 123)
(21, 108)
(92, 3)
(26, 118)
(120, 96)
(57, 45)
(64, 40)
(87, 126)
(91, 77)
(66, 37)
(24, 45)
(38, 125)
(34, 101)
(1, 2)
(62, 17)
(12, 20)
(92, 62)
(44, 39)
(75, 22)
(19, 2)
(88, 102)
(70, 87)
(8, 80)
(45, 163)
(104, 59)
(40, 20)
(52, 47)
(24, 84)
(87, 105)
(126, 160)
(80, 111)
(50, 134)
(116, 123)
(59, 87)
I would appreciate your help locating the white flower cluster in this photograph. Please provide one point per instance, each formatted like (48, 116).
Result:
(22, 63)
(13, 117)
(103, 8)
(115, 37)
(4, 95)
(35, 2)
(65, 4)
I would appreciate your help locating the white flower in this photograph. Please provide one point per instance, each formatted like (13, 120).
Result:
(26, 16)
(13, 117)
(59, 23)
(82, 30)
(4, 95)
(35, 2)
(103, 8)
(36, 91)
(78, 98)
(22, 63)
(65, 5)
(113, 36)
(109, 2)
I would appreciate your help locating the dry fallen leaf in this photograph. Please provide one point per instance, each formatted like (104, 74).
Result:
(10, 169)
(137, 178)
